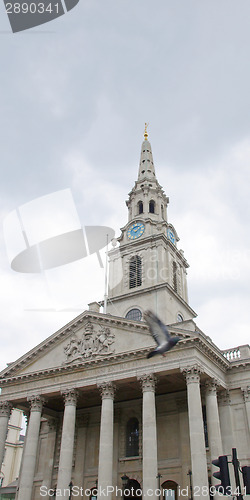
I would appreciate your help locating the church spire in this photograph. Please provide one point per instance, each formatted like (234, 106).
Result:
(146, 167)
(147, 198)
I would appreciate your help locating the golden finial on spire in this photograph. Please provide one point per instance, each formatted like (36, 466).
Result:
(146, 131)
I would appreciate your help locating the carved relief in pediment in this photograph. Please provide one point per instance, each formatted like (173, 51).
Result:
(92, 343)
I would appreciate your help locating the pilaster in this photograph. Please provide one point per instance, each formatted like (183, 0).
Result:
(226, 422)
(246, 397)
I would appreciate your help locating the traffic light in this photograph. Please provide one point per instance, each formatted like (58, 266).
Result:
(246, 478)
(223, 475)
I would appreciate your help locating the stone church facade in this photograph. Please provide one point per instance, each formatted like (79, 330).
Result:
(99, 410)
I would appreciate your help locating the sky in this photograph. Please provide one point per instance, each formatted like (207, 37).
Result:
(75, 94)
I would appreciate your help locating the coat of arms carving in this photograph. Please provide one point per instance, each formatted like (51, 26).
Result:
(92, 343)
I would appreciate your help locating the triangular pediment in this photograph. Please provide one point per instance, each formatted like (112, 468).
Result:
(90, 338)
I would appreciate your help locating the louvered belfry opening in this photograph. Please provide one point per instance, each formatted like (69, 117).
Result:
(151, 207)
(175, 276)
(140, 207)
(135, 274)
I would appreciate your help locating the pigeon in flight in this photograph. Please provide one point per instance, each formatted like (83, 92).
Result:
(160, 334)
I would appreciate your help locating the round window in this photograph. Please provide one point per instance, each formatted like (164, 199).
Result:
(134, 314)
(179, 318)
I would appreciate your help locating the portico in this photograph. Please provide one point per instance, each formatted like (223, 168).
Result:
(73, 405)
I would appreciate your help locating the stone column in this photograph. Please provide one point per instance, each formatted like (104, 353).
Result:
(105, 468)
(30, 450)
(49, 457)
(226, 422)
(196, 433)
(226, 428)
(116, 446)
(246, 396)
(5, 410)
(213, 425)
(67, 442)
(149, 437)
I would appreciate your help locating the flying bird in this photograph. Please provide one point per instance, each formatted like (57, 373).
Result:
(160, 334)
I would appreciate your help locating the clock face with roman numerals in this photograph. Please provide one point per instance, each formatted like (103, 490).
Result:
(136, 230)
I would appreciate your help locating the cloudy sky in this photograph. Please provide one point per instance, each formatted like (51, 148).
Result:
(75, 94)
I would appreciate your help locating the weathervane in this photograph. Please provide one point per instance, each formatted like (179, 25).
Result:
(146, 131)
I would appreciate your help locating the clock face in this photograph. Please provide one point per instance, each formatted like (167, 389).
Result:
(135, 231)
(171, 236)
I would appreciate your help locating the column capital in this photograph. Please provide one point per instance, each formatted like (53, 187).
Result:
(192, 373)
(224, 397)
(212, 386)
(107, 390)
(70, 396)
(246, 393)
(5, 408)
(36, 402)
(148, 382)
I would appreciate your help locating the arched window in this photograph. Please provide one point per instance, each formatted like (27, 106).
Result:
(175, 276)
(169, 490)
(140, 207)
(179, 317)
(134, 314)
(162, 211)
(151, 207)
(132, 438)
(135, 272)
(133, 490)
(93, 495)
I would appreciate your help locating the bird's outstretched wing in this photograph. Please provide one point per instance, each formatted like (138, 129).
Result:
(157, 329)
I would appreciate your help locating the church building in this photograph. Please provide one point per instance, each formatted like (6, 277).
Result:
(103, 420)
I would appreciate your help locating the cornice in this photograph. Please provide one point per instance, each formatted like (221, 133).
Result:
(77, 366)
(212, 351)
(187, 342)
(239, 364)
(156, 287)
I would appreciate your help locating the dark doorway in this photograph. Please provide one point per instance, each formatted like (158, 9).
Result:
(133, 490)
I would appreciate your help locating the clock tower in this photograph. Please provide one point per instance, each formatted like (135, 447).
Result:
(147, 270)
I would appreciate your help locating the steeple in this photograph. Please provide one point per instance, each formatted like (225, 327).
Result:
(146, 167)
(147, 270)
(147, 198)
